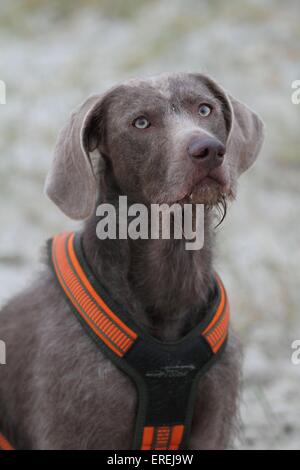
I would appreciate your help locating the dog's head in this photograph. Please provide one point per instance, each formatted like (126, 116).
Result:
(166, 139)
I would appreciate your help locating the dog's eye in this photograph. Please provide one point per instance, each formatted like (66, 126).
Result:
(141, 123)
(204, 110)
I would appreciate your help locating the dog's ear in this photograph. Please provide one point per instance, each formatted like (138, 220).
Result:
(246, 135)
(71, 183)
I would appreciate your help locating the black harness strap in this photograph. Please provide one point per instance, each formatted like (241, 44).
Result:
(166, 374)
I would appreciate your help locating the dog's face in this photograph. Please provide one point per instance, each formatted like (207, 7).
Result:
(174, 138)
(166, 139)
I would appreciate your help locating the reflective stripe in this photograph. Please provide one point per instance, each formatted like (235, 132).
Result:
(90, 306)
(216, 331)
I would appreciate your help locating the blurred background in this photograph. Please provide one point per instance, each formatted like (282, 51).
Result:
(54, 54)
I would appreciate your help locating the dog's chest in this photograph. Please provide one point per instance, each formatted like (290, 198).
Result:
(103, 404)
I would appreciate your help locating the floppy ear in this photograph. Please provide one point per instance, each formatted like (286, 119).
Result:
(71, 182)
(246, 135)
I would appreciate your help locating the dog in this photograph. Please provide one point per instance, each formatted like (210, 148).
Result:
(172, 138)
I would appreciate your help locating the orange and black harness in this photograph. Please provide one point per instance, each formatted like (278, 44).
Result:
(166, 374)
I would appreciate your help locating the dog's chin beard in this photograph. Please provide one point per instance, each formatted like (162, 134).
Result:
(213, 196)
(214, 202)
(219, 208)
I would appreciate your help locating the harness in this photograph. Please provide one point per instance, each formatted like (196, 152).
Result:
(166, 374)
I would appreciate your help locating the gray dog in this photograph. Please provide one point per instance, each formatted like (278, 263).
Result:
(172, 138)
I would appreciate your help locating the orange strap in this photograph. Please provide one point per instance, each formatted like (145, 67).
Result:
(216, 331)
(92, 308)
(4, 444)
(162, 437)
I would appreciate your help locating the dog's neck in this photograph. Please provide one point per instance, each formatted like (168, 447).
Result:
(165, 287)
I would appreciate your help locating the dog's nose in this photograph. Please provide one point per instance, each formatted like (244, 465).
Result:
(206, 151)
